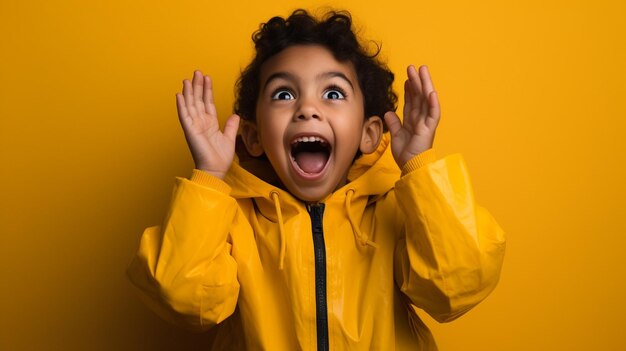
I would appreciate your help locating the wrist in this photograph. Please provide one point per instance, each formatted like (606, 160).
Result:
(217, 174)
(214, 171)
(203, 178)
(418, 161)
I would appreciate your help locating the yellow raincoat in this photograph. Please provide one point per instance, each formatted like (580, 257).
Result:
(268, 273)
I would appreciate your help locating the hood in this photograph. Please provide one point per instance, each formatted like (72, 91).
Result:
(370, 177)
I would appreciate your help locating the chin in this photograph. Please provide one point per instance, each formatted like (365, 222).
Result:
(311, 196)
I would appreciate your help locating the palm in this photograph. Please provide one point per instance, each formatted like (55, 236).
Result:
(212, 150)
(421, 116)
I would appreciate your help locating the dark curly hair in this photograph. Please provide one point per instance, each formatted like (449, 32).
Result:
(334, 31)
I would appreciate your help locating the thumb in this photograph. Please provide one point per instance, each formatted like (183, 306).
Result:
(393, 122)
(231, 127)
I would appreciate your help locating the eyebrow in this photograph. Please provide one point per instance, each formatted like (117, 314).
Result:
(290, 77)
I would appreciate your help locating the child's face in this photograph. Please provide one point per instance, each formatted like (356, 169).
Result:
(310, 119)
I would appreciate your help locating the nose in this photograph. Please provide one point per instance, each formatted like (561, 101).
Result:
(307, 109)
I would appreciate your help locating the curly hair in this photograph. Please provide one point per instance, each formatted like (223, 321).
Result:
(334, 31)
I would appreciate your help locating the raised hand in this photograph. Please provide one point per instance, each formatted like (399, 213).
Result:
(421, 116)
(212, 150)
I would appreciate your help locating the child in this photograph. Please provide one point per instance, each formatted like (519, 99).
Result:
(326, 232)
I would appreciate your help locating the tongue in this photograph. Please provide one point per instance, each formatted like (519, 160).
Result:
(311, 162)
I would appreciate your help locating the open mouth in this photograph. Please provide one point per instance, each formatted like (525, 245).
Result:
(310, 154)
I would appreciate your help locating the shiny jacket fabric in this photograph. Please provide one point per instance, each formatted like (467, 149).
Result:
(239, 256)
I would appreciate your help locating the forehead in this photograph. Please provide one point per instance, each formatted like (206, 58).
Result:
(307, 62)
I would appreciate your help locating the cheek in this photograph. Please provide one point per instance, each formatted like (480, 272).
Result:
(271, 135)
(351, 126)
(347, 149)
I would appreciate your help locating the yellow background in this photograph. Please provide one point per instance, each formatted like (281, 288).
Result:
(532, 94)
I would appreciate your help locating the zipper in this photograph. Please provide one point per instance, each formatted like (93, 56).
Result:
(316, 211)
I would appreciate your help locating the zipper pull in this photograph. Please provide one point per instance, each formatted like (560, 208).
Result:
(316, 211)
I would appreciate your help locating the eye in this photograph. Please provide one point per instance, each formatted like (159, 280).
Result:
(334, 94)
(282, 94)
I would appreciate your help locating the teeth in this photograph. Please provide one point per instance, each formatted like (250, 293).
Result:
(308, 139)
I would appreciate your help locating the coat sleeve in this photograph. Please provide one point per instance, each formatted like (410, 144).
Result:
(183, 268)
(449, 256)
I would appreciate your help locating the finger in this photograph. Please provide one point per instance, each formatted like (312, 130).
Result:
(426, 81)
(231, 127)
(208, 96)
(416, 95)
(434, 111)
(183, 114)
(407, 99)
(414, 78)
(198, 85)
(410, 115)
(393, 122)
(427, 85)
(188, 95)
(185, 119)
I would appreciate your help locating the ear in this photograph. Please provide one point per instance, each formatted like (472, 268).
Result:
(372, 132)
(250, 137)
